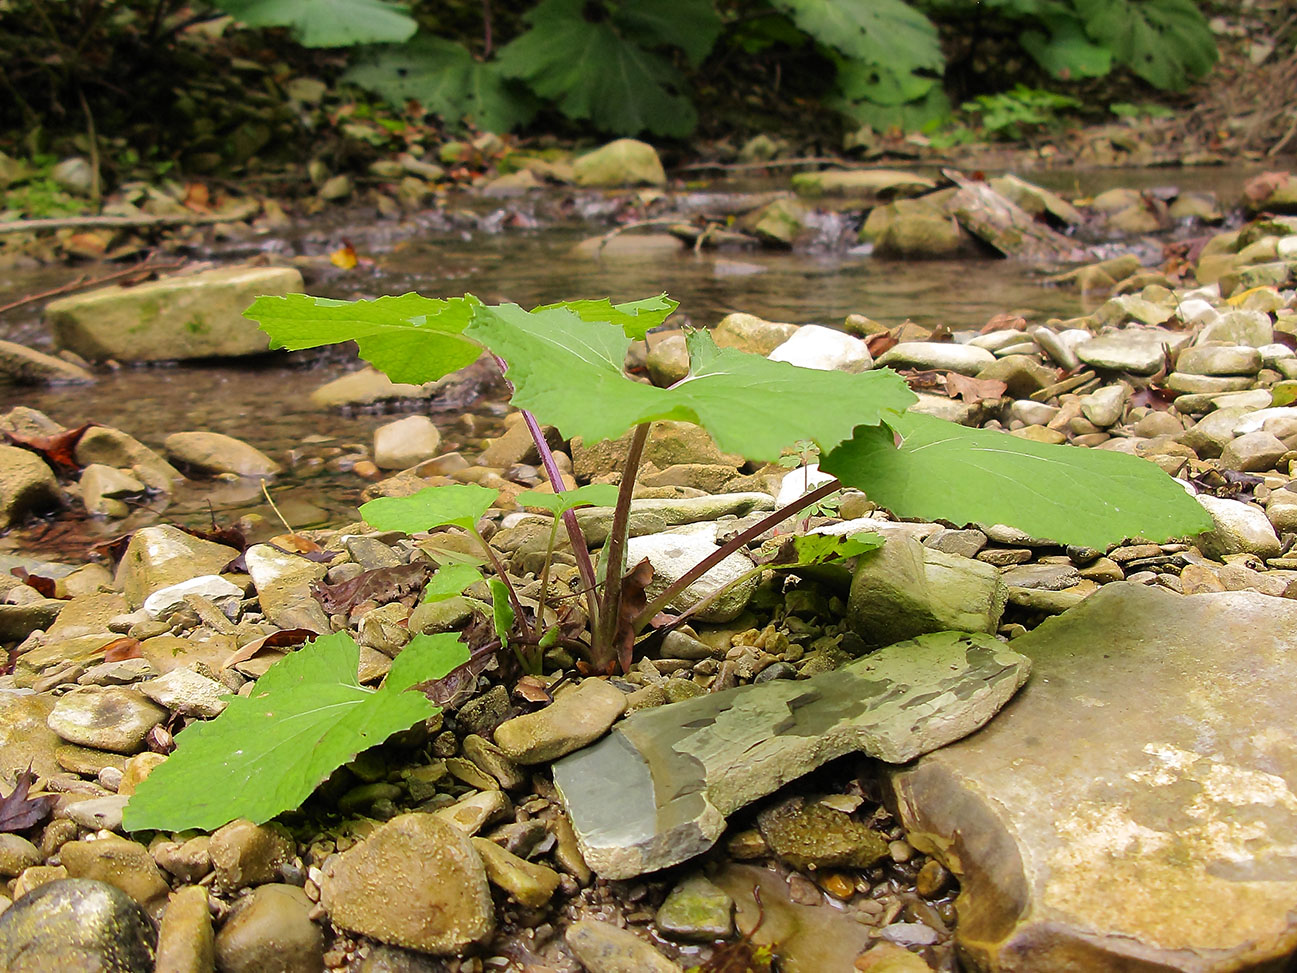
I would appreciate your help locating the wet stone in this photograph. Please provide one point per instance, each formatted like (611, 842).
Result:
(185, 940)
(244, 854)
(119, 862)
(271, 929)
(603, 948)
(697, 910)
(112, 718)
(1115, 805)
(414, 882)
(98, 813)
(658, 789)
(527, 883)
(808, 835)
(76, 924)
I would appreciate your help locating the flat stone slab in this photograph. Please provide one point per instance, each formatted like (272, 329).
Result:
(657, 790)
(1134, 806)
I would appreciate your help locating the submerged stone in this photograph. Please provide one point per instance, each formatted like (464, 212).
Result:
(657, 790)
(1133, 807)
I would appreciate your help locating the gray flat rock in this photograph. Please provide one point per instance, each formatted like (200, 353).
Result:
(1134, 806)
(657, 790)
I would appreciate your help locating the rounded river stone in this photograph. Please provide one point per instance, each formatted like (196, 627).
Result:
(76, 925)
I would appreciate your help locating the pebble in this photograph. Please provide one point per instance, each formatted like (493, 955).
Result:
(602, 947)
(97, 813)
(76, 924)
(528, 883)
(119, 862)
(112, 718)
(696, 910)
(416, 881)
(186, 692)
(17, 854)
(245, 854)
(271, 929)
(577, 717)
(186, 943)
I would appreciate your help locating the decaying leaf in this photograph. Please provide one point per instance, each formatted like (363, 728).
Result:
(57, 450)
(634, 599)
(119, 650)
(275, 640)
(973, 390)
(381, 585)
(45, 586)
(18, 812)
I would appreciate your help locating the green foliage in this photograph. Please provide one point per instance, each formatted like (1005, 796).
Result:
(502, 614)
(568, 371)
(453, 505)
(1165, 42)
(1013, 114)
(590, 495)
(594, 60)
(879, 32)
(560, 365)
(450, 580)
(445, 79)
(831, 548)
(327, 23)
(1089, 497)
(267, 752)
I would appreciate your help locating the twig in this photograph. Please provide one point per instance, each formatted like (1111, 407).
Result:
(266, 494)
(84, 281)
(137, 222)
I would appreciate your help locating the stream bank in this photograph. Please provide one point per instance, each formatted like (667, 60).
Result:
(1099, 380)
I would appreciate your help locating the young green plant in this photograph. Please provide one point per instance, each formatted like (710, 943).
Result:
(565, 365)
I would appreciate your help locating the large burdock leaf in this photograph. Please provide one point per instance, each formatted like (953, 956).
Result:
(1068, 494)
(446, 79)
(887, 32)
(635, 318)
(410, 338)
(1166, 42)
(328, 23)
(569, 373)
(307, 716)
(591, 67)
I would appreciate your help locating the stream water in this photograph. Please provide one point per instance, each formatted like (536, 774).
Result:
(516, 251)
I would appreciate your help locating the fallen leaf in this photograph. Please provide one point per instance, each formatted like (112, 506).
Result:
(973, 390)
(18, 812)
(381, 585)
(57, 450)
(634, 599)
(123, 648)
(43, 585)
(197, 197)
(344, 257)
(275, 640)
(881, 342)
(533, 690)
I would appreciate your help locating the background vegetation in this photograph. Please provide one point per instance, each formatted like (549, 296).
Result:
(218, 83)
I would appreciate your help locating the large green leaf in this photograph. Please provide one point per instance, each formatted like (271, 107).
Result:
(569, 373)
(453, 505)
(635, 318)
(1066, 52)
(591, 70)
(307, 716)
(884, 98)
(328, 23)
(691, 25)
(1068, 494)
(411, 338)
(447, 80)
(887, 32)
(1165, 42)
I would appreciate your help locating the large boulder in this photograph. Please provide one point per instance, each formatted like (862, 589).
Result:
(624, 162)
(185, 316)
(915, 229)
(1133, 807)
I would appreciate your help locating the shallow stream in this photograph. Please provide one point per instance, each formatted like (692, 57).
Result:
(519, 251)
